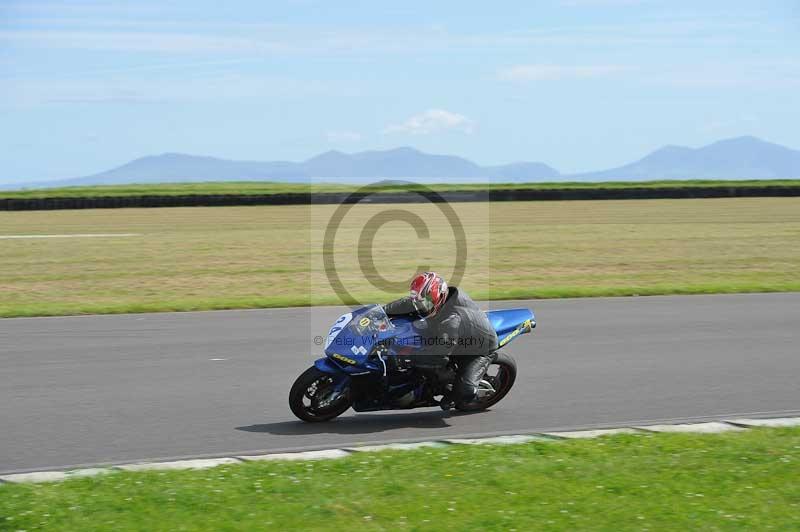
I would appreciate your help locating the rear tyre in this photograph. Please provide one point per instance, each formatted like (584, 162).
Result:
(313, 396)
(500, 376)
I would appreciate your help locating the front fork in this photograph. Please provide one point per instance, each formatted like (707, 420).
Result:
(341, 380)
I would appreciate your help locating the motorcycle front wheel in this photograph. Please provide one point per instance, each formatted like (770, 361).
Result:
(314, 397)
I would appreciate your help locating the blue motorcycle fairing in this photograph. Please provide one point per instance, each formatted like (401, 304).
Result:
(353, 336)
(330, 365)
(325, 365)
(343, 348)
(348, 350)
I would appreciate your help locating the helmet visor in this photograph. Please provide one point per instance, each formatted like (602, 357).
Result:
(423, 305)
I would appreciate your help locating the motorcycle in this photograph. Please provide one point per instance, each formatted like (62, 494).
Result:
(368, 366)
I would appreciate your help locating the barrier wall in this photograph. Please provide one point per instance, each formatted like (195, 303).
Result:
(110, 202)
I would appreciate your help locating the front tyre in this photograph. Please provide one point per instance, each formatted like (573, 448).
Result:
(496, 383)
(314, 396)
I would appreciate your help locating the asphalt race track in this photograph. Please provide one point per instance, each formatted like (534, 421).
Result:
(111, 389)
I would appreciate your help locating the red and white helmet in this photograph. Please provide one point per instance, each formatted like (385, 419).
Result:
(429, 292)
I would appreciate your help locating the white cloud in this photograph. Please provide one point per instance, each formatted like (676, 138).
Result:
(343, 136)
(432, 121)
(557, 72)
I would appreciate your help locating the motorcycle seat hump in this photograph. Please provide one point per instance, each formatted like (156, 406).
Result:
(509, 320)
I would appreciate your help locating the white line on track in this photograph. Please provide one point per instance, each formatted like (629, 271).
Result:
(88, 235)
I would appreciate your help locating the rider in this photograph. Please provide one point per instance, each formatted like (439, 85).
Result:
(454, 326)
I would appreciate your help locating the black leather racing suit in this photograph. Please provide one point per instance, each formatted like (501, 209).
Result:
(459, 329)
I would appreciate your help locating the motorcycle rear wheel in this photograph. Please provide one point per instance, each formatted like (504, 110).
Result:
(312, 397)
(502, 382)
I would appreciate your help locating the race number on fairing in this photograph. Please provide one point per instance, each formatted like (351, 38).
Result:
(340, 324)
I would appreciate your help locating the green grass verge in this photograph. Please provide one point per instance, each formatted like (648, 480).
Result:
(195, 305)
(731, 481)
(199, 258)
(268, 187)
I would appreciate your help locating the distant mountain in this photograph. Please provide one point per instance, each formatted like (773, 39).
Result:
(399, 163)
(736, 158)
(177, 167)
(521, 172)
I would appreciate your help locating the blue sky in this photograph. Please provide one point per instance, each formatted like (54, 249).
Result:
(578, 84)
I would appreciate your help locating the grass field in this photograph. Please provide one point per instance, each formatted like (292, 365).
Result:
(732, 481)
(266, 187)
(239, 257)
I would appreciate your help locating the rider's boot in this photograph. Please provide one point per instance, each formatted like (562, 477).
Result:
(448, 399)
(447, 403)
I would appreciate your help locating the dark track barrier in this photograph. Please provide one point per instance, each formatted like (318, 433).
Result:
(559, 194)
